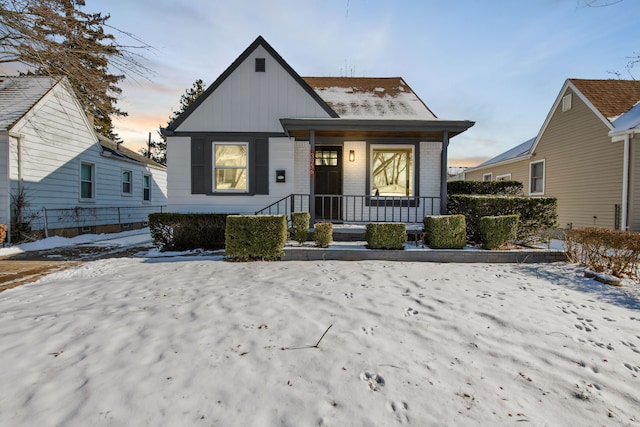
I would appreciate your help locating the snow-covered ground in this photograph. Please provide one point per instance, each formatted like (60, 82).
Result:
(193, 340)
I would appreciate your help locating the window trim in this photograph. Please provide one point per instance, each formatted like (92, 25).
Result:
(390, 147)
(544, 176)
(145, 187)
(214, 190)
(93, 182)
(485, 175)
(122, 183)
(505, 177)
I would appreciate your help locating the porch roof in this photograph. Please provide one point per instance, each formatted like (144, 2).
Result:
(360, 129)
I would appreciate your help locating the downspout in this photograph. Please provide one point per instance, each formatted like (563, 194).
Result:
(625, 183)
(443, 173)
(312, 177)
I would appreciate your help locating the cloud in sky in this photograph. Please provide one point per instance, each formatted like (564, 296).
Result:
(499, 63)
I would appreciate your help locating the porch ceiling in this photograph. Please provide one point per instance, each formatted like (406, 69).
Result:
(360, 129)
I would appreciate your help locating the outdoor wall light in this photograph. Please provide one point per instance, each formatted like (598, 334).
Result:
(352, 156)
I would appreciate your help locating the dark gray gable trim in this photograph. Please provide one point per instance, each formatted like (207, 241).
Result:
(258, 42)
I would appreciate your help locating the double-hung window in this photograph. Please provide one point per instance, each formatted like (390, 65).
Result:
(392, 171)
(536, 177)
(487, 177)
(126, 182)
(87, 181)
(146, 188)
(230, 172)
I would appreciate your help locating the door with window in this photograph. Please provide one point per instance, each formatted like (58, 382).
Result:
(328, 182)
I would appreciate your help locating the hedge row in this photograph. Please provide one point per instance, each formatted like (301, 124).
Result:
(181, 232)
(536, 214)
(485, 187)
(386, 235)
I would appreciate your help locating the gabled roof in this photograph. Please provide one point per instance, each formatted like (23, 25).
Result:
(116, 150)
(18, 95)
(611, 97)
(629, 122)
(243, 56)
(370, 98)
(515, 153)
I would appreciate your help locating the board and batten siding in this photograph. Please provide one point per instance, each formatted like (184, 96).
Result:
(181, 200)
(51, 142)
(583, 168)
(250, 101)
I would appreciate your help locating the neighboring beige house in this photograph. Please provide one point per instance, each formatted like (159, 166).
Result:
(586, 155)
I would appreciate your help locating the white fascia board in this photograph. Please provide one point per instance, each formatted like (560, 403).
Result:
(502, 163)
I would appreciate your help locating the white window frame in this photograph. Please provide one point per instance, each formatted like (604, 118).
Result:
(487, 175)
(566, 102)
(130, 192)
(412, 183)
(93, 182)
(145, 187)
(505, 177)
(213, 167)
(544, 176)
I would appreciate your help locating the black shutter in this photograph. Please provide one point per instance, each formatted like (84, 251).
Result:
(198, 166)
(261, 167)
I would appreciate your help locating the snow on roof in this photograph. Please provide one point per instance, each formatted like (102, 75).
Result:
(18, 94)
(517, 151)
(628, 120)
(370, 98)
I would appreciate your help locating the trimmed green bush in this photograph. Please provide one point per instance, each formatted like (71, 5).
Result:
(386, 235)
(485, 187)
(255, 237)
(182, 232)
(323, 234)
(300, 226)
(495, 231)
(445, 231)
(537, 214)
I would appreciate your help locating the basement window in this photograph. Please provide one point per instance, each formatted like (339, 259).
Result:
(261, 66)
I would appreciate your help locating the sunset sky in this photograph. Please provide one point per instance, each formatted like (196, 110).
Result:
(500, 63)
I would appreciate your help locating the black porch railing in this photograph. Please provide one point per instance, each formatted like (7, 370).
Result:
(357, 209)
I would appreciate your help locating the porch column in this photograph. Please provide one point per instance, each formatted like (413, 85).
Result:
(312, 177)
(443, 173)
(625, 184)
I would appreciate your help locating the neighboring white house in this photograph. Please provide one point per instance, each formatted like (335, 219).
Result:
(71, 181)
(262, 139)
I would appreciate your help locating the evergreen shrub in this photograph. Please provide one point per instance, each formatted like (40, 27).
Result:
(496, 231)
(255, 237)
(300, 226)
(182, 232)
(386, 235)
(537, 214)
(445, 231)
(514, 188)
(323, 234)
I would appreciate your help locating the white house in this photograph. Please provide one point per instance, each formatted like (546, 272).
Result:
(262, 139)
(57, 176)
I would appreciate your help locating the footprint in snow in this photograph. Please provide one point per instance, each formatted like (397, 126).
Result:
(373, 381)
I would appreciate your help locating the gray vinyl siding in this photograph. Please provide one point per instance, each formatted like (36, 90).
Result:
(55, 139)
(583, 167)
(4, 179)
(634, 186)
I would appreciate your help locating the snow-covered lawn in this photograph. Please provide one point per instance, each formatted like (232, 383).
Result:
(199, 341)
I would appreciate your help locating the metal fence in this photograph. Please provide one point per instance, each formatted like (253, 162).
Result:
(87, 218)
